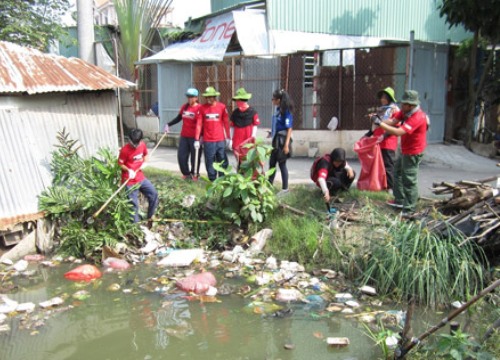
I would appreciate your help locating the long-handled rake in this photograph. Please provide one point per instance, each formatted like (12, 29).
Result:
(91, 219)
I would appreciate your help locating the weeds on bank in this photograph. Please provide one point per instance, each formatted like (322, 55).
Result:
(411, 261)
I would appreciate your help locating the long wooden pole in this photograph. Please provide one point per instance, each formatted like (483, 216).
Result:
(402, 352)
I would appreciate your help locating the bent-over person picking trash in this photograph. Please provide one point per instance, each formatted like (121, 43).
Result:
(131, 160)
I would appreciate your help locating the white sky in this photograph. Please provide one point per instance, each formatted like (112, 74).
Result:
(183, 9)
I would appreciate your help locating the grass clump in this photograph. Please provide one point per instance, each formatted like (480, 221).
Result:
(302, 239)
(411, 261)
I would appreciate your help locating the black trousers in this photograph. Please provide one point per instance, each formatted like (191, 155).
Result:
(389, 156)
(339, 182)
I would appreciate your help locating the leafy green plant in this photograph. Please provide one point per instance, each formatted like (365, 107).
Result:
(409, 260)
(79, 188)
(247, 195)
(380, 337)
(458, 346)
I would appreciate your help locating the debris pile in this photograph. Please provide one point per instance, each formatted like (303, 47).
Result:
(474, 209)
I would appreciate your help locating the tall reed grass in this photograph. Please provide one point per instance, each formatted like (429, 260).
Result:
(410, 261)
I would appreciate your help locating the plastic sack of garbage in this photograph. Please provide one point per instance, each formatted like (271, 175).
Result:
(372, 176)
(115, 263)
(83, 273)
(197, 283)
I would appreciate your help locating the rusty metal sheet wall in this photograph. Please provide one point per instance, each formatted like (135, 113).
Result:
(29, 126)
(347, 87)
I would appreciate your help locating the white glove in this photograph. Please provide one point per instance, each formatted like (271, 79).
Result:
(166, 129)
(229, 142)
(131, 174)
(196, 145)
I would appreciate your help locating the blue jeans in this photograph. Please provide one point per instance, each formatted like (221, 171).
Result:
(215, 152)
(186, 157)
(149, 191)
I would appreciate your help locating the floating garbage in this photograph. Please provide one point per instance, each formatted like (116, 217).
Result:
(286, 295)
(337, 341)
(51, 302)
(260, 307)
(81, 295)
(343, 297)
(197, 283)
(34, 257)
(21, 265)
(368, 290)
(182, 257)
(115, 263)
(85, 272)
(26, 307)
(8, 305)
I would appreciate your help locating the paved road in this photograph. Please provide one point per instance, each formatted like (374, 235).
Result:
(441, 163)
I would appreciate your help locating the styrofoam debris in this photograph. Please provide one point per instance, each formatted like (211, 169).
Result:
(343, 297)
(368, 290)
(150, 247)
(183, 257)
(7, 261)
(337, 341)
(351, 303)
(285, 295)
(51, 302)
(21, 265)
(26, 307)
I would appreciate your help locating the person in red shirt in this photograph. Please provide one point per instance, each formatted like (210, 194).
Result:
(213, 126)
(131, 160)
(244, 122)
(332, 174)
(189, 114)
(388, 142)
(411, 125)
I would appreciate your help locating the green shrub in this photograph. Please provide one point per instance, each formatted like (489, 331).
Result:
(247, 195)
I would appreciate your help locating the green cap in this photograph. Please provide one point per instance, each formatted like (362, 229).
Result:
(410, 97)
(210, 91)
(242, 94)
(389, 92)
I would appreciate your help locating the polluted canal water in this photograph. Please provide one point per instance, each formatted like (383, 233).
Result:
(140, 314)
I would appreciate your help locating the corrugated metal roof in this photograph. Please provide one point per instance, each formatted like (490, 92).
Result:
(26, 70)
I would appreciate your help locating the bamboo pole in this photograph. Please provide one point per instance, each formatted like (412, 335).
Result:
(401, 353)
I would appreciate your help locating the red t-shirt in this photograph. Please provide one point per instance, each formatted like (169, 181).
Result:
(415, 127)
(214, 122)
(132, 158)
(190, 117)
(390, 142)
(241, 134)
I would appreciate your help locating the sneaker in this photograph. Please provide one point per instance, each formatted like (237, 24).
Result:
(394, 204)
(282, 192)
(186, 177)
(194, 177)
